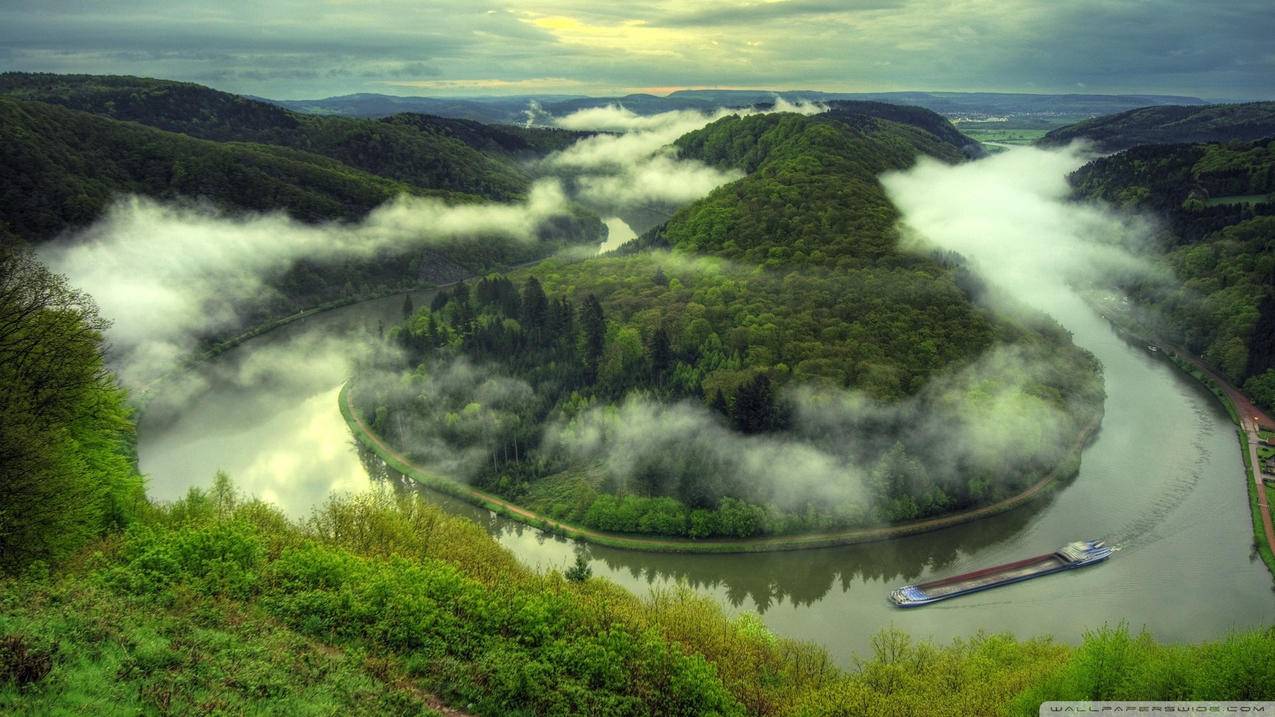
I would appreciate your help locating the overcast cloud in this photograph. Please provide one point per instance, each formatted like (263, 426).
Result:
(302, 48)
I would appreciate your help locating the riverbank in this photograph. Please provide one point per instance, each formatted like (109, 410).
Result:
(397, 461)
(1247, 417)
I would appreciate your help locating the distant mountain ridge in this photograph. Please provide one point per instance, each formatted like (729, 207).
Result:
(428, 152)
(516, 109)
(1171, 125)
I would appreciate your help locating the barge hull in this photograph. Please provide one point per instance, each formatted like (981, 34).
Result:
(1069, 557)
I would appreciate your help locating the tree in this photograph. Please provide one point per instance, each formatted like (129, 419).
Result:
(621, 365)
(580, 571)
(439, 301)
(535, 308)
(408, 307)
(660, 352)
(754, 409)
(592, 336)
(66, 472)
(719, 403)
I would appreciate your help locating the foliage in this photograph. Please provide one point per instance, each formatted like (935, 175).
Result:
(377, 603)
(1222, 254)
(1114, 664)
(66, 459)
(418, 150)
(109, 653)
(66, 167)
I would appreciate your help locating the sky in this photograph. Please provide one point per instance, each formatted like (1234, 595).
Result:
(300, 49)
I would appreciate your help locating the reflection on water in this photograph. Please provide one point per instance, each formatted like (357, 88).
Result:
(618, 233)
(760, 580)
(1163, 479)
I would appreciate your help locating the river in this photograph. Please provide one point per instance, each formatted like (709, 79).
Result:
(1163, 480)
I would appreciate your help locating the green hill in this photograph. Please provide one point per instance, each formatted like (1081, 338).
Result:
(1216, 203)
(65, 167)
(430, 152)
(791, 276)
(1170, 125)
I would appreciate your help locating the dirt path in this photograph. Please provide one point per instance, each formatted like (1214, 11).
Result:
(687, 545)
(1252, 420)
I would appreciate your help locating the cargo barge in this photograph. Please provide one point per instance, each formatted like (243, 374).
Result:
(1068, 557)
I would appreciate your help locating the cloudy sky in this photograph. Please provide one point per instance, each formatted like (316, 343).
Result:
(291, 49)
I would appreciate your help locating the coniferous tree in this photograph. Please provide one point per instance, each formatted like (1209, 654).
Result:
(408, 307)
(592, 336)
(440, 300)
(535, 308)
(719, 403)
(661, 354)
(754, 409)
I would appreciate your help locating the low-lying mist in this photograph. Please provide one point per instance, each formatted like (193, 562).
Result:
(979, 423)
(633, 164)
(169, 274)
(1010, 215)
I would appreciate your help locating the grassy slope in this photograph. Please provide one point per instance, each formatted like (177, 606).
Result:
(116, 654)
(373, 607)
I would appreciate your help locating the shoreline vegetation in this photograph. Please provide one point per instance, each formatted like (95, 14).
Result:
(1066, 468)
(1191, 366)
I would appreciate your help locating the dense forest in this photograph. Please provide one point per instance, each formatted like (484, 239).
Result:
(787, 279)
(421, 150)
(1216, 205)
(1172, 124)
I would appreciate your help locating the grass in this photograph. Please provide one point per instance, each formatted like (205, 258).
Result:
(376, 605)
(101, 653)
(565, 495)
(1259, 533)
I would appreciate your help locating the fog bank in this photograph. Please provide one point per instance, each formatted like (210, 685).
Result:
(634, 163)
(1011, 217)
(166, 274)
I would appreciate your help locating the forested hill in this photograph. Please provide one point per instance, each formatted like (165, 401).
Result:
(814, 291)
(1171, 125)
(1217, 205)
(63, 168)
(811, 195)
(429, 152)
(919, 117)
